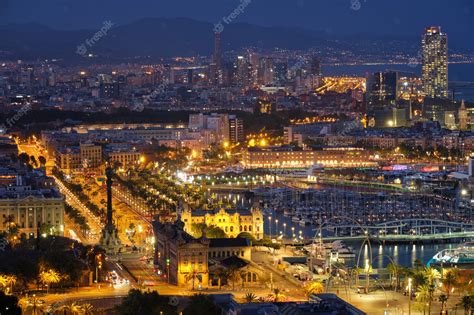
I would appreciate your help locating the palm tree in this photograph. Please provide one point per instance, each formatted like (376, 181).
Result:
(424, 295)
(192, 276)
(70, 308)
(11, 280)
(467, 303)
(34, 304)
(277, 295)
(250, 297)
(12, 228)
(233, 275)
(443, 299)
(432, 275)
(450, 281)
(419, 279)
(49, 277)
(87, 309)
(395, 273)
(3, 281)
(243, 276)
(315, 287)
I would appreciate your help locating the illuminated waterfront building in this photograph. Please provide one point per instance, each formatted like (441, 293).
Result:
(435, 63)
(232, 222)
(177, 253)
(294, 157)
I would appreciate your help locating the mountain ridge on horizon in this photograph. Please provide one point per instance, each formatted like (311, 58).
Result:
(34, 40)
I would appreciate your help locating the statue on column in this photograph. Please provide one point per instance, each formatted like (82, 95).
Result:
(109, 239)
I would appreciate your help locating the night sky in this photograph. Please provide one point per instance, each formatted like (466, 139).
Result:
(405, 18)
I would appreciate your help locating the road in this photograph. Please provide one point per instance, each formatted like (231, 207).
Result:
(93, 221)
(36, 151)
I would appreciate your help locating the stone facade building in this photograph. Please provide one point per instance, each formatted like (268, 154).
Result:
(232, 222)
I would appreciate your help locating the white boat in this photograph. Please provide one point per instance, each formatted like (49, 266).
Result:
(460, 256)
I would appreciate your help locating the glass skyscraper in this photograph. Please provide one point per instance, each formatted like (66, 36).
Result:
(435, 63)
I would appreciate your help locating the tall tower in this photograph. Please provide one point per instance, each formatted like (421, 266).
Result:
(109, 239)
(217, 49)
(435, 62)
(316, 66)
(462, 116)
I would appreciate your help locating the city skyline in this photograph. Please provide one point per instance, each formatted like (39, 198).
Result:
(256, 156)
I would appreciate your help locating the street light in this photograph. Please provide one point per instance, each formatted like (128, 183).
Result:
(409, 296)
(367, 275)
(270, 225)
(276, 227)
(284, 229)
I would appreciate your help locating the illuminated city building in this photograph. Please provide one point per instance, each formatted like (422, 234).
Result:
(390, 117)
(221, 248)
(294, 157)
(316, 66)
(217, 58)
(463, 116)
(232, 222)
(29, 206)
(177, 253)
(382, 88)
(435, 63)
(242, 71)
(123, 155)
(265, 73)
(73, 159)
(219, 123)
(236, 129)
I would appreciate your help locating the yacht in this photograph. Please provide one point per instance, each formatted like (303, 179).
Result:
(462, 257)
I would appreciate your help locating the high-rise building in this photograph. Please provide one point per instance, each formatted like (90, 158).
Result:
(217, 49)
(109, 90)
(281, 72)
(382, 88)
(265, 71)
(219, 123)
(236, 129)
(435, 62)
(254, 61)
(463, 116)
(316, 67)
(242, 71)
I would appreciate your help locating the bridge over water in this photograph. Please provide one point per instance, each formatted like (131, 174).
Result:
(411, 230)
